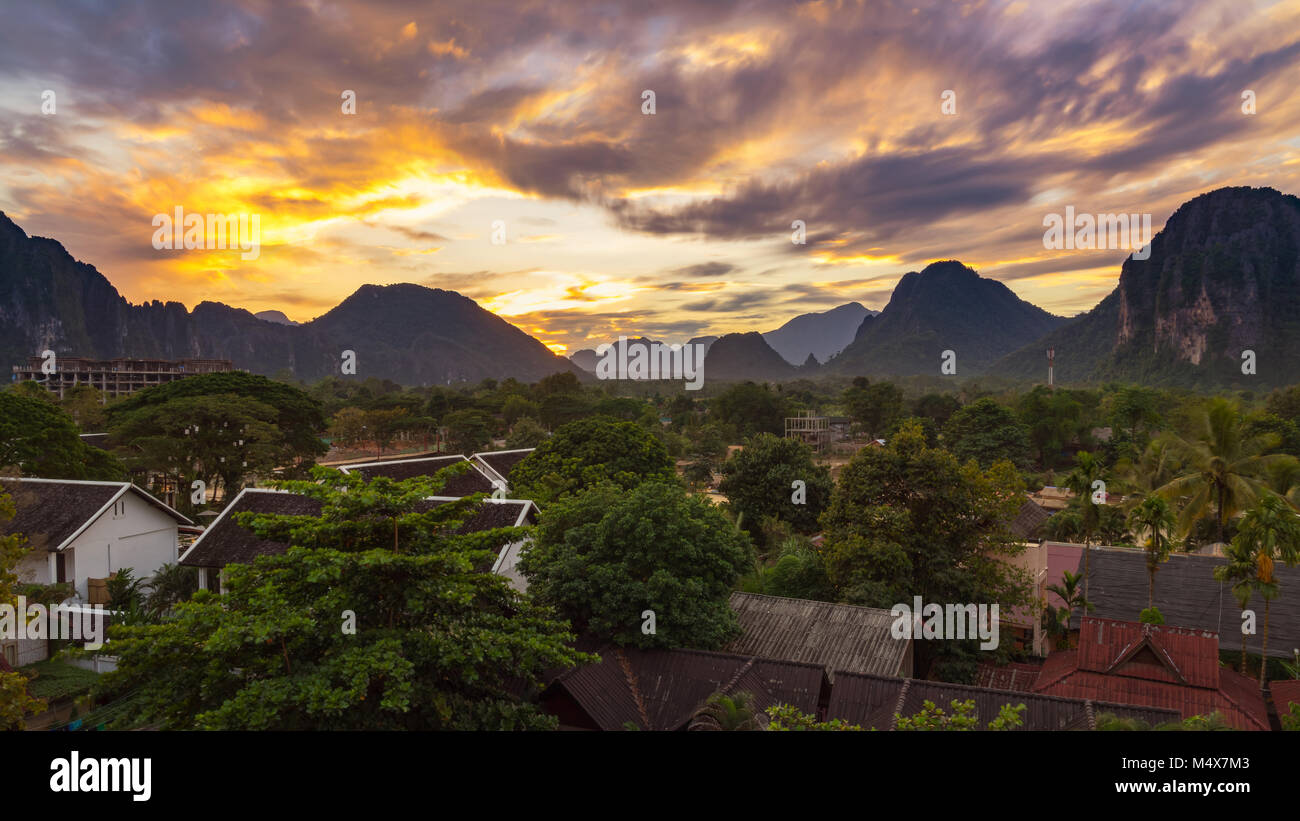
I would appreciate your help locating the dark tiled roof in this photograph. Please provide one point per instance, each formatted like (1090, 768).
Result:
(835, 636)
(1029, 520)
(504, 461)
(1145, 665)
(465, 484)
(491, 514)
(662, 689)
(50, 511)
(1187, 595)
(873, 701)
(226, 542)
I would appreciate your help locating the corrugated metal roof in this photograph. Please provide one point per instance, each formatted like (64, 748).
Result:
(835, 636)
(1187, 595)
(1165, 667)
(874, 701)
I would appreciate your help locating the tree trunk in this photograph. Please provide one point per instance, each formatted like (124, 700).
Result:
(1151, 587)
(1243, 650)
(1220, 514)
(1263, 651)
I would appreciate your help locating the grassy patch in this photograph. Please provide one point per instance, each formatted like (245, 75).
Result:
(56, 679)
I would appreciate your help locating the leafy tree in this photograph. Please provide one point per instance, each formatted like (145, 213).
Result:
(933, 718)
(874, 405)
(349, 428)
(1151, 615)
(517, 407)
(799, 573)
(562, 408)
(1154, 519)
(299, 418)
(1222, 468)
(986, 432)
(207, 437)
(1088, 471)
(1054, 418)
(735, 712)
(590, 451)
(39, 439)
(908, 520)
(558, 383)
(1239, 573)
(14, 699)
(1270, 531)
(377, 617)
(787, 717)
(171, 584)
(468, 431)
(1291, 721)
(1135, 410)
(527, 433)
(759, 480)
(698, 473)
(85, 404)
(607, 555)
(937, 407)
(750, 408)
(1070, 592)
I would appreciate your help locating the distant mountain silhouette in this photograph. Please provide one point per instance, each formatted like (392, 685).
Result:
(945, 307)
(407, 333)
(277, 317)
(745, 356)
(821, 335)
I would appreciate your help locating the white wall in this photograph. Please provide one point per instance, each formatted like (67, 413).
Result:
(143, 539)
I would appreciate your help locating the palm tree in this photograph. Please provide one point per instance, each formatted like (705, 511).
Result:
(1158, 465)
(727, 712)
(1270, 531)
(1222, 468)
(1239, 572)
(1154, 518)
(1082, 480)
(1058, 621)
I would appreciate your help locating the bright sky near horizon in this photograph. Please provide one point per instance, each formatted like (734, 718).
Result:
(669, 225)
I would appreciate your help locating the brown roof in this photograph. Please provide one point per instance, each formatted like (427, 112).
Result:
(1018, 676)
(1188, 595)
(503, 462)
(51, 511)
(1029, 520)
(835, 636)
(226, 542)
(1155, 666)
(1285, 692)
(874, 701)
(467, 483)
(662, 689)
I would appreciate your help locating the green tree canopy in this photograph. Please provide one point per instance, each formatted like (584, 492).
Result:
(39, 439)
(347, 631)
(750, 408)
(986, 432)
(607, 555)
(299, 417)
(589, 451)
(758, 481)
(909, 520)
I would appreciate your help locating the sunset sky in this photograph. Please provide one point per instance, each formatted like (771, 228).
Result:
(670, 225)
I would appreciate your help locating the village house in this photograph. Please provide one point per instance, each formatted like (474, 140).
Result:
(1171, 668)
(82, 532)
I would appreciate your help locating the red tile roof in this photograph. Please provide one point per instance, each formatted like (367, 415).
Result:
(1285, 692)
(1168, 667)
(1017, 676)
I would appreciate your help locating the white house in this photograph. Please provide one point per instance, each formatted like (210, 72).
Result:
(80, 530)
